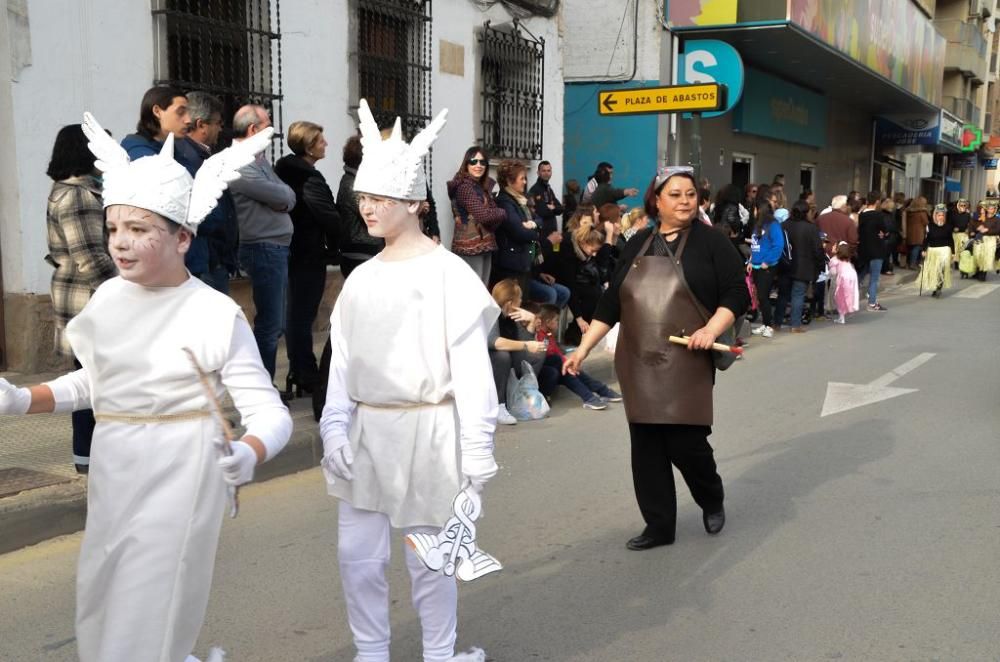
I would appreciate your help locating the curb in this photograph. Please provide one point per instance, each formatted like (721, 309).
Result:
(41, 514)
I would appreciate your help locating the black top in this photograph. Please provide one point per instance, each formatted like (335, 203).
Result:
(959, 220)
(872, 228)
(938, 235)
(315, 218)
(807, 249)
(542, 196)
(712, 267)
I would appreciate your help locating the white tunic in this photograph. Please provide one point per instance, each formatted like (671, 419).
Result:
(156, 495)
(410, 383)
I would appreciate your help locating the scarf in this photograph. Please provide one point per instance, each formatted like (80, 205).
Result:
(519, 199)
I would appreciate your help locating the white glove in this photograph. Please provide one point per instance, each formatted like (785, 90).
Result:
(238, 467)
(478, 466)
(338, 457)
(13, 400)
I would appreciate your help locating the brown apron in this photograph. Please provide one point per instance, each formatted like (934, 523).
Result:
(661, 382)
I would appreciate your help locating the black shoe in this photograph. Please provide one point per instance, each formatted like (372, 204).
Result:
(82, 468)
(643, 542)
(714, 522)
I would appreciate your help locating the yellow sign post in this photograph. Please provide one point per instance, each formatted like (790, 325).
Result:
(667, 99)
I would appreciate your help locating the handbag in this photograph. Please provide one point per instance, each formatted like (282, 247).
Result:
(721, 360)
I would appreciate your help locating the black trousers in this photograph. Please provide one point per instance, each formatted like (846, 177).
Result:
(655, 448)
(83, 431)
(305, 292)
(763, 280)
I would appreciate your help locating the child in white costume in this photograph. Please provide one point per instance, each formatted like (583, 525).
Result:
(411, 406)
(157, 485)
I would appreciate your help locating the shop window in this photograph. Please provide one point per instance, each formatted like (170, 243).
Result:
(513, 70)
(394, 61)
(229, 49)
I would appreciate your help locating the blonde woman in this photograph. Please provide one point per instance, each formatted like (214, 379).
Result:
(315, 223)
(935, 275)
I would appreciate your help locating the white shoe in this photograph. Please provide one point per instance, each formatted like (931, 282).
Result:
(758, 331)
(216, 655)
(768, 332)
(472, 655)
(504, 417)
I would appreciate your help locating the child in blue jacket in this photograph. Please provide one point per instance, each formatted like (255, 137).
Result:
(766, 245)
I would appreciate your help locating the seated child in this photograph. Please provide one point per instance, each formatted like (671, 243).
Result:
(595, 394)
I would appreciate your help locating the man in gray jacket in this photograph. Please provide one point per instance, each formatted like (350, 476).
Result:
(262, 204)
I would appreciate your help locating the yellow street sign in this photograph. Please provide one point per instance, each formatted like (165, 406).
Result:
(666, 99)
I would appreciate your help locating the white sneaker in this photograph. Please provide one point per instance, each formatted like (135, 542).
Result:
(758, 331)
(504, 417)
(768, 332)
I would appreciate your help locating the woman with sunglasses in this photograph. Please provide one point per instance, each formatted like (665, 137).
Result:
(477, 215)
(677, 278)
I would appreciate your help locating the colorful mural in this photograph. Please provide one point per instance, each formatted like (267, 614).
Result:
(685, 13)
(890, 37)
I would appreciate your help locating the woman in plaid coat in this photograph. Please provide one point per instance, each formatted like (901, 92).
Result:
(78, 249)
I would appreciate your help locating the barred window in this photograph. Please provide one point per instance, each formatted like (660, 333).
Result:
(225, 47)
(394, 61)
(513, 69)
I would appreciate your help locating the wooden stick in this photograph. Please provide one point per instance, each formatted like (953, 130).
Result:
(719, 347)
(227, 431)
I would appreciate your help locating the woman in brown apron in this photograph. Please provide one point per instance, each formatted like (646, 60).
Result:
(668, 388)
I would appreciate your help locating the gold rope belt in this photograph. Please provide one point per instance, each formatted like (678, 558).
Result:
(131, 419)
(409, 405)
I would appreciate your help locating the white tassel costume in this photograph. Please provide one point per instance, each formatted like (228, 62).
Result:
(410, 402)
(156, 492)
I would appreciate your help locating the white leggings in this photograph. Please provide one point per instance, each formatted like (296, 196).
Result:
(363, 552)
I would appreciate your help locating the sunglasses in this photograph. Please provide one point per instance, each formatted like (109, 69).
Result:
(481, 162)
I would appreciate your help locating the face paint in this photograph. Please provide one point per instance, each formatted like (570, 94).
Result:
(386, 217)
(143, 247)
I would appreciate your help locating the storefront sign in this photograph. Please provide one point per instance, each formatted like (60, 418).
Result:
(952, 185)
(666, 99)
(990, 164)
(687, 13)
(964, 162)
(712, 61)
(891, 37)
(951, 131)
(909, 129)
(777, 109)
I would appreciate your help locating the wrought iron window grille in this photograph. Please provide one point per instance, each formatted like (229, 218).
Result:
(394, 61)
(224, 47)
(513, 73)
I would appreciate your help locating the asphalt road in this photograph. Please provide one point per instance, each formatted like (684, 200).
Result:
(869, 534)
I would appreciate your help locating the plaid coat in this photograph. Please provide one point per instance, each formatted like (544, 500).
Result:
(78, 249)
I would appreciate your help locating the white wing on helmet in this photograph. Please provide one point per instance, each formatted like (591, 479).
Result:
(109, 154)
(421, 146)
(217, 171)
(371, 137)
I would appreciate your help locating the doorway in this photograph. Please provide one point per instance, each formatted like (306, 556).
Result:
(807, 177)
(742, 169)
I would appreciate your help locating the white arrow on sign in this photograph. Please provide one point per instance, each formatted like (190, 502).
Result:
(841, 397)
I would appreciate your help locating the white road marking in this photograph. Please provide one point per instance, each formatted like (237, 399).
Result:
(977, 291)
(842, 397)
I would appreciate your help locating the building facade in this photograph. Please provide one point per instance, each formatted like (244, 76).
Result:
(496, 66)
(834, 95)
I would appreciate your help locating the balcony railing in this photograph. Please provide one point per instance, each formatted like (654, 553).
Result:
(957, 31)
(959, 106)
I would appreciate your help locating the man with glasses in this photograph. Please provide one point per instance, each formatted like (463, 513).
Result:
(212, 256)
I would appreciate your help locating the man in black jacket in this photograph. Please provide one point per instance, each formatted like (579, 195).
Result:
(547, 205)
